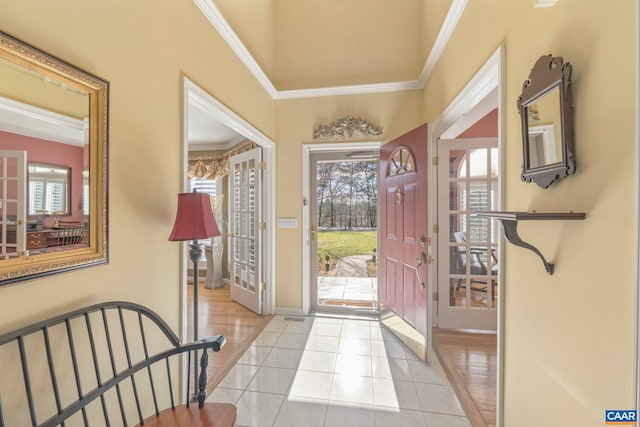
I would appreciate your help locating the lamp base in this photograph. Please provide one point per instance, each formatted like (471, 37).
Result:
(195, 253)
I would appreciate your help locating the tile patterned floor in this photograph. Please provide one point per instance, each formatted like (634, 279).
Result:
(336, 372)
(348, 288)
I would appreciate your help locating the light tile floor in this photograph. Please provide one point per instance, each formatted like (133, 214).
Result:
(347, 288)
(336, 372)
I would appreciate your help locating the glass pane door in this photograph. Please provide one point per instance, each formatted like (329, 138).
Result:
(245, 235)
(467, 244)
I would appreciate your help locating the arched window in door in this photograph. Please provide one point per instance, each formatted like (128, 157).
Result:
(401, 162)
(477, 191)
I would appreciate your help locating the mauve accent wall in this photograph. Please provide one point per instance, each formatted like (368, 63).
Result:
(52, 153)
(486, 127)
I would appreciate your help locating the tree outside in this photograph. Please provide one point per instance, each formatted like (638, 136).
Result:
(347, 212)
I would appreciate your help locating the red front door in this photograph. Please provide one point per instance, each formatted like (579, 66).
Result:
(403, 227)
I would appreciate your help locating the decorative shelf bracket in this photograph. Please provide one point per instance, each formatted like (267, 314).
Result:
(509, 221)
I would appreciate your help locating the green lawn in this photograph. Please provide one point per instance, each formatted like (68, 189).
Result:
(339, 244)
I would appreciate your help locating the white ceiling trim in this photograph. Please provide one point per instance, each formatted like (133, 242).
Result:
(451, 20)
(481, 87)
(449, 24)
(28, 120)
(212, 13)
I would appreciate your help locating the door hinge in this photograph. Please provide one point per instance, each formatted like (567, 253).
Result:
(262, 225)
(434, 160)
(263, 286)
(435, 296)
(436, 228)
(262, 165)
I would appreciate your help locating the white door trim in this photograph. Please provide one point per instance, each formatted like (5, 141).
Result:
(307, 149)
(194, 94)
(480, 92)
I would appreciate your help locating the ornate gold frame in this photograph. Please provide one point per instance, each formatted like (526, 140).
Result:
(29, 267)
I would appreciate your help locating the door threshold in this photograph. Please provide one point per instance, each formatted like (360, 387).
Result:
(359, 315)
(348, 304)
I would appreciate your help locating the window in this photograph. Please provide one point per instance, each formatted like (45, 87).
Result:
(210, 187)
(204, 185)
(85, 192)
(48, 189)
(401, 162)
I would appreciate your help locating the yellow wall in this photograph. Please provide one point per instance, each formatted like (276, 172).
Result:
(18, 84)
(144, 49)
(569, 337)
(395, 113)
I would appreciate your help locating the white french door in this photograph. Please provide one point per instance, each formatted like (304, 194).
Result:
(468, 172)
(245, 232)
(13, 196)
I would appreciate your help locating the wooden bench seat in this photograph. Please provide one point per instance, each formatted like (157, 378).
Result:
(210, 415)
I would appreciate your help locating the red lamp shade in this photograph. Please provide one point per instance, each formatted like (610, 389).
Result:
(194, 219)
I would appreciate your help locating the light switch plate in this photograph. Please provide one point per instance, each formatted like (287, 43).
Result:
(287, 222)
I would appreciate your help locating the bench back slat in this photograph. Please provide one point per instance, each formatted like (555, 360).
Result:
(96, 366)
(113, 365)
(146, 356)
(127, 351)
(27, 381)
(76, 373)
(52, 369)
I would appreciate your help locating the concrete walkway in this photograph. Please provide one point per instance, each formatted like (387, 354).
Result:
(352, 266)
(349, 282)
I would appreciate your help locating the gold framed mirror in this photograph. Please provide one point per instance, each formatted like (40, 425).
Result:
(53, 164)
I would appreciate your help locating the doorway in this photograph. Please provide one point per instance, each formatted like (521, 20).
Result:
(200, 111)
(343, 245)
(346, 283)
(483, 95)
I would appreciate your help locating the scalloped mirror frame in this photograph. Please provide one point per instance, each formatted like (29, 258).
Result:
(548, 74)
(33, 266)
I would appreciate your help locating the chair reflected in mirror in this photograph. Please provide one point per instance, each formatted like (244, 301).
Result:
(69, 234)
(476, 257)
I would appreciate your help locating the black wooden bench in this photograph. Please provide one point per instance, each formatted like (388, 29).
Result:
(110, 364)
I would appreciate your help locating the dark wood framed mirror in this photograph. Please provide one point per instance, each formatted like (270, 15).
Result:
(53, 164)
(546, 112)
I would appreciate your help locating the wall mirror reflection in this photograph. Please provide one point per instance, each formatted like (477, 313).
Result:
(53, 157)
(546, 111)
(48, 190)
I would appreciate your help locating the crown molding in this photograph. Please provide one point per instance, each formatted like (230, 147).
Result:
(449, 24)
(28, 120)
(214, 16)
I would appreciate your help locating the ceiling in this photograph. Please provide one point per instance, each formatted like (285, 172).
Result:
(207, 133)
(311, 48)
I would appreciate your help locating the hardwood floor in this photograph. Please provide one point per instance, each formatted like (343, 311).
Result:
(469, 359)
(218, 314)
